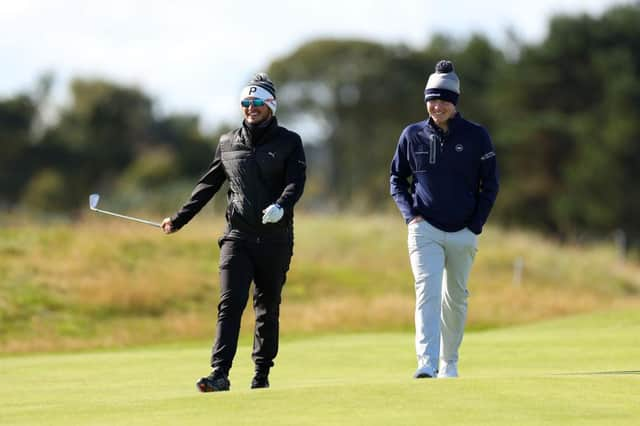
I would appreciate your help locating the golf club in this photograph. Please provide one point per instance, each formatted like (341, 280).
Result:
(93, 203)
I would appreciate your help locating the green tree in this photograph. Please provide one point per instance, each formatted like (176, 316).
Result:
(16, 118)
(46, 192)
(571, 125)
(98, 136)
(363, 94)
(181, 135)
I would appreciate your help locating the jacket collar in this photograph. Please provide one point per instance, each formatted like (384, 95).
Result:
(258, 134)
(454, 122)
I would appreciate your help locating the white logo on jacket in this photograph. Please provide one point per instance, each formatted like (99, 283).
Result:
(459, 148)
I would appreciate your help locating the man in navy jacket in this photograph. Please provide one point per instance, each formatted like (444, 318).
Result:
(444, 180)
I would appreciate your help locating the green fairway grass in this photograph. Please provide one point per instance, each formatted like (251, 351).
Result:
(583, 370)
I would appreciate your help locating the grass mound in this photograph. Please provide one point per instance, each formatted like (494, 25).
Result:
(102, 282)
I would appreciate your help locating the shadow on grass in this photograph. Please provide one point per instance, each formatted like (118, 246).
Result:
(596, 373)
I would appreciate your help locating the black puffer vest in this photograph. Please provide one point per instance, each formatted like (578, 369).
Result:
(257, 172)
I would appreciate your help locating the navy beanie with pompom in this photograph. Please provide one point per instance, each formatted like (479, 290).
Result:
(444, 84)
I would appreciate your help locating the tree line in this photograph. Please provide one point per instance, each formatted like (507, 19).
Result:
(563, 113)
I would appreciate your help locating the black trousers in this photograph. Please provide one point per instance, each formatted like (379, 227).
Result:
(241, 262)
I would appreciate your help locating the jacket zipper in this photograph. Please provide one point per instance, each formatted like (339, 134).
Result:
(432, 151)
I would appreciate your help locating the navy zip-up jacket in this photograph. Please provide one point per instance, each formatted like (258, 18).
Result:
(451, 179)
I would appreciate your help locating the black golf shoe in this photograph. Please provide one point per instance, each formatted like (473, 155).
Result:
(260, 380)
(215, 382)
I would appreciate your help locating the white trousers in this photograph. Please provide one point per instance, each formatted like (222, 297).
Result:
(441, 262)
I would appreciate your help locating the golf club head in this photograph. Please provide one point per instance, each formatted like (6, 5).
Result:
(93, 201)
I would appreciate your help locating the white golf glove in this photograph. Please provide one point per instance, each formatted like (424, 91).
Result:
(272, 214)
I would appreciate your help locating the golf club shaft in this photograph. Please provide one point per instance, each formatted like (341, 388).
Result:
(135, 219)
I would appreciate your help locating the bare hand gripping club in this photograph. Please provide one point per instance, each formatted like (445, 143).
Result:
(93, 203)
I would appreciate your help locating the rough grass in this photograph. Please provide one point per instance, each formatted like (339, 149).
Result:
(102, 282)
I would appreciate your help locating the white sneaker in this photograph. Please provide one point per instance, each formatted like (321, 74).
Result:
(425, 372)
(448, 371)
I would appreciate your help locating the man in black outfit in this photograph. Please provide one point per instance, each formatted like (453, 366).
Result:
(265, 166)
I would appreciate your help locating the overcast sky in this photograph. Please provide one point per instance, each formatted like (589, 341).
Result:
(195, 56)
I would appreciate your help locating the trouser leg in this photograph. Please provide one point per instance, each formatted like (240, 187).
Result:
(236, 273)
(426, 255)
(272, 263)
(460, 249)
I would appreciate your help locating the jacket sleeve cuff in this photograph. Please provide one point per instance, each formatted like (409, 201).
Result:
(176, 222)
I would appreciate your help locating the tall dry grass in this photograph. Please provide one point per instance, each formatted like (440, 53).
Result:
(102, 282)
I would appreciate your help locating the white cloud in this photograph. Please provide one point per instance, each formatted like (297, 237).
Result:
(194, 55)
